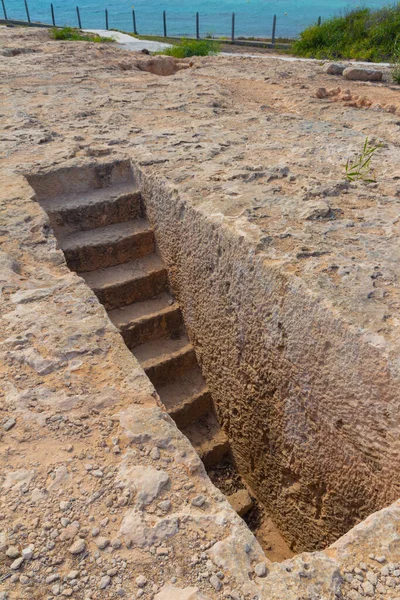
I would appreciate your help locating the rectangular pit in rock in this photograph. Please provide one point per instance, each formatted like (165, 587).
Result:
(268, 351)
(100, 224)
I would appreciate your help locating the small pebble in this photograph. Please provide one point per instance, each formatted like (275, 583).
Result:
(27, 553)
(9, 424)
(368, 588)
(17, 563)
(260, 569)
(155, 453)
(215, 582)
(141, 581)
(104, 582)
(199, 500)
(12, 552)
(78, 546)
(102, 542)
(73, 575)
(165, 505)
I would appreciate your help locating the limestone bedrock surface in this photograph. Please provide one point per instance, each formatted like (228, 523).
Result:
(288, 278)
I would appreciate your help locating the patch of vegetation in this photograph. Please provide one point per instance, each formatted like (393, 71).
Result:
(187, 48)
(75, 35)
(360, 34)
(396, 62)
(359, 168)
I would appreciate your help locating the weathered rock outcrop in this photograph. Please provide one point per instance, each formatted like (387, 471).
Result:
(293, 312)
(357, 74)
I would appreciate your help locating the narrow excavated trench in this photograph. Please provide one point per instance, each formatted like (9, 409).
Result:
(107, 240)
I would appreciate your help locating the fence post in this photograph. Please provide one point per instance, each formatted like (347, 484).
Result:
(165, 23)
(197, 26)
(233, 27)
(79, 17)
(319, 20)
(134, 22)
(27, 11)
(107, 19)
(52, 15)
(273, 31)
(4, 9)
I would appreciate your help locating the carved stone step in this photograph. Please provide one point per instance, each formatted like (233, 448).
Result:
(146, 321)
(208, 439)
(107, 246)
(133, 281)
(95, 208)
(165, 360)
(186, 399)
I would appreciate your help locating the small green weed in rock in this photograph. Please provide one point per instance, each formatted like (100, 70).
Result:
(359, 168)
(75, 35)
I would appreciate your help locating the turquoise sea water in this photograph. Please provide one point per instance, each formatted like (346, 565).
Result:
(253, 17)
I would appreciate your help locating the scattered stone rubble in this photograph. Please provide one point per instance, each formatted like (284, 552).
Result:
(77, 409)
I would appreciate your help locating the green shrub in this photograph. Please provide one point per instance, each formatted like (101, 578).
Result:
(187, 48)
(360, 34)
(396, 62)
(75, 35)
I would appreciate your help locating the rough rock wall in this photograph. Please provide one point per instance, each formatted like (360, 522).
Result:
(308, 402)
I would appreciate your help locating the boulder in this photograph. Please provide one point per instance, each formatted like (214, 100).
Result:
(162, 65)
(334, 68)
(357, 74)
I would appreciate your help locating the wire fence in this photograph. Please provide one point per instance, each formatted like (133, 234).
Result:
(230, 25)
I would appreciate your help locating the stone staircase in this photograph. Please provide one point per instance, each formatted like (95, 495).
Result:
(107, 240)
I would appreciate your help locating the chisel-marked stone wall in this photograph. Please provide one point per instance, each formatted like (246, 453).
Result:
(308, 404)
